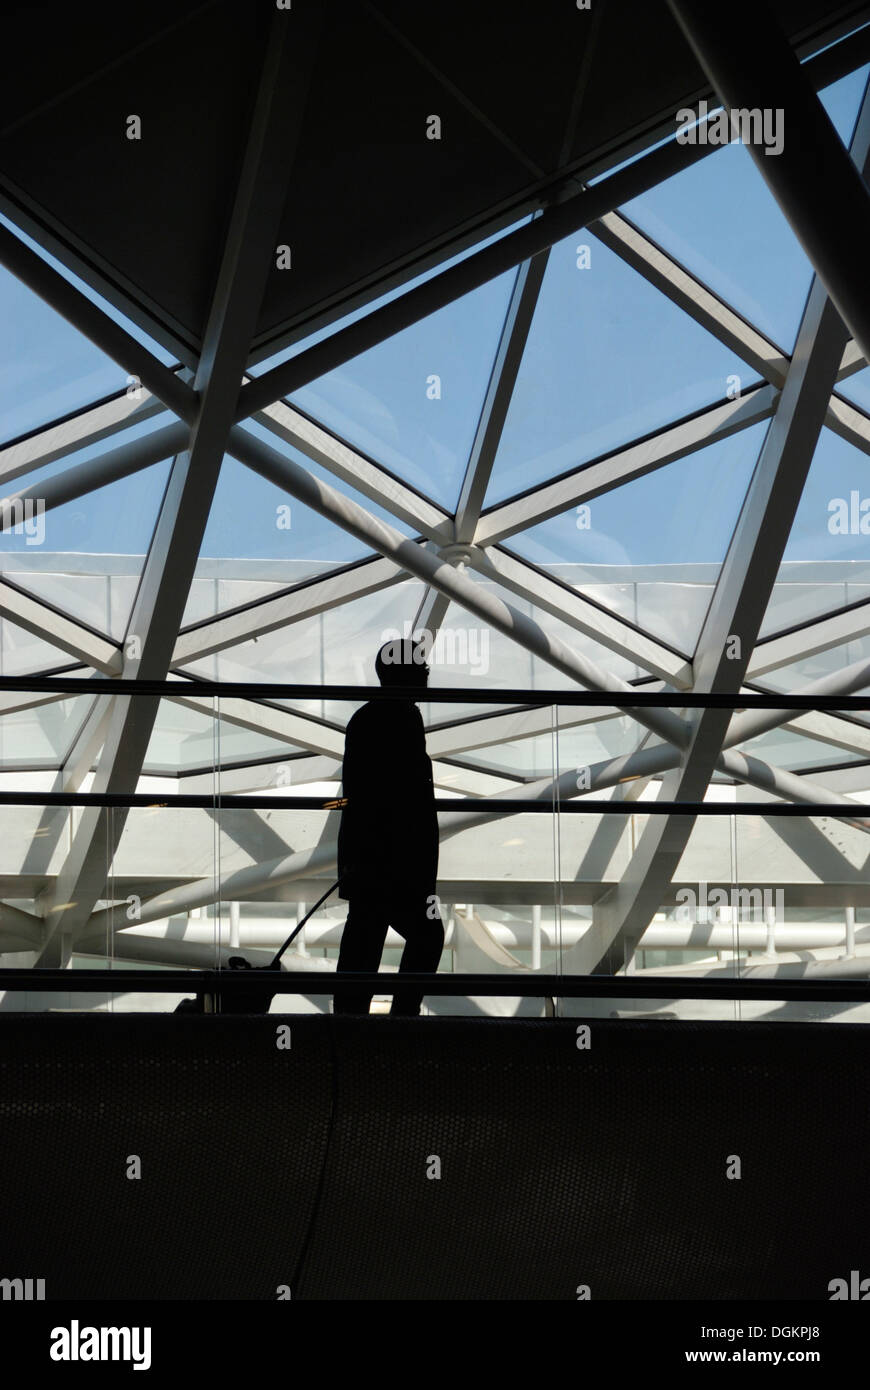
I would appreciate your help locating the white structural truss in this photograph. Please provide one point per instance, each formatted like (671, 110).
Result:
(595, 889)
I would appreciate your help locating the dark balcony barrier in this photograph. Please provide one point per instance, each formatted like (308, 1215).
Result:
(307, 1167)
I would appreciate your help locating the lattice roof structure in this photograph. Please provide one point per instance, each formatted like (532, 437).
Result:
(321, 327)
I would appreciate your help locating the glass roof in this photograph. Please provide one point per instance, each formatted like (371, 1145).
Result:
(793, 675)
(23, 653)
(826, 565)
(474, 654)
(283, 593)
(651, 550)
(184, 739)
(47, 368)
(41, 736)
(857, 389)
(413, 402)
(334, 647)
(62, 556)
(718, 219)
(540, 756)
(609, 359)
(789, 750)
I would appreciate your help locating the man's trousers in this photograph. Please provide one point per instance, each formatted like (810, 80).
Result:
(370, 915)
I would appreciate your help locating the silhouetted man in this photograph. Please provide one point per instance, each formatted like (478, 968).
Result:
(388, 838)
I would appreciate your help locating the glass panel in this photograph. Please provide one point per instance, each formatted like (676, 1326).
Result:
(609, 359)
(211, 592)
(24, 654)
(486, 660)
(157, 851)
(413, 402)
(857, 389)
(132, 328)
(749, 894)
(795, 599)
(47, 368)
(596, 854)
(337, 646)
(531, 757)
(258, 534)
(791, 751)
(516, 742)
(185, 740)
(88, 554)
(158, 912)
(651, 550)
(40, 735)
(798, 877)
(827, 559)
(718, 219)
(795, 674)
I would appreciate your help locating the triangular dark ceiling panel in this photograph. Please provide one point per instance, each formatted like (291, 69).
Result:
(526, 95)
(149, 214)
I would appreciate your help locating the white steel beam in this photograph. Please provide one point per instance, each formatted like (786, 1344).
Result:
(731, 625)
(762, 72)
(849, 423)
(801, 643)
(643, 456)
(439, 574)
(579, 612)
(88, 427)
(286, 725)
(691, 295)
(359, 472)
(58, 629)
(852, 362)
(95, 324)
(281, 610)
(82, 478)
(508, 358)
(171, 561)
(431, 612)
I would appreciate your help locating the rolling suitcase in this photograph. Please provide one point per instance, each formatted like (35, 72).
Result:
(257, 999)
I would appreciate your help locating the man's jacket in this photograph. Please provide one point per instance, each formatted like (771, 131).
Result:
(388, 837)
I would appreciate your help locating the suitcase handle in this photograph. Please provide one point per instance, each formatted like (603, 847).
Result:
(239, 962)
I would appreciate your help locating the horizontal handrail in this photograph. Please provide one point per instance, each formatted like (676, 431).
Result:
(513, 985)
(257, 690)
(496, 806)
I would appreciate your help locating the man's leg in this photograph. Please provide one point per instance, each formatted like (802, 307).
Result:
(362, 943)
(424, 942)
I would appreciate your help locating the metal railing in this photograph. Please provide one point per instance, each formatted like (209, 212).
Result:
(525, 985)
(229, 982)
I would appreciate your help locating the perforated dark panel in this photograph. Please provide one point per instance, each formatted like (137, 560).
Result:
(308, 1167)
